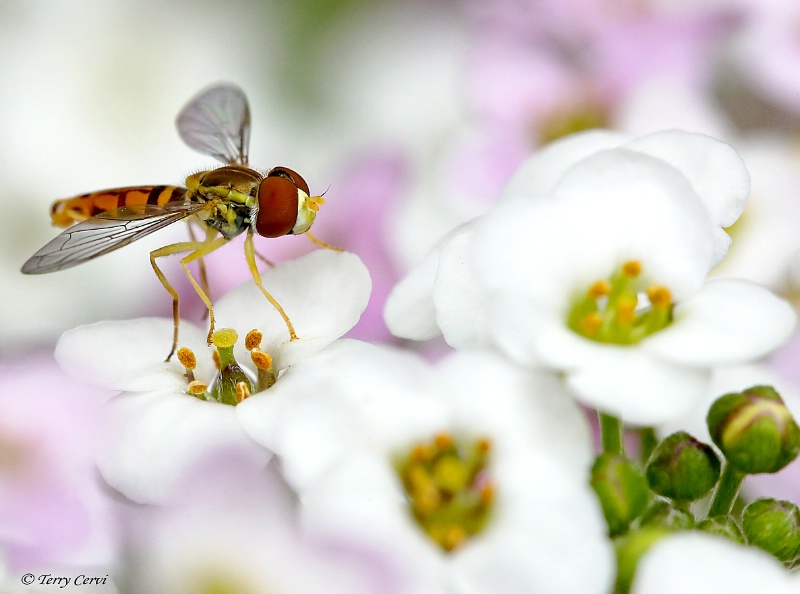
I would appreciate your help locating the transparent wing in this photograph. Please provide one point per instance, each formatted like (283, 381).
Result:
(217, 123)
(105, 233)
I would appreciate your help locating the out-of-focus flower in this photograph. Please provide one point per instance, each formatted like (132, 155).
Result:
(698, 563)
(470, 476)
(54, 512)
(594, 264)
(157, 427)
(232, 529)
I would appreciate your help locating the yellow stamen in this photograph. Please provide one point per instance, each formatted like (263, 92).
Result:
(599, 289)
(590, 324)
(187, 358)
(253, 340)
(659, 296)
(453, 536)
(215, 356)
(261, 359)
(632, 268)
(196, 388)
(242, 391)
(443, 442)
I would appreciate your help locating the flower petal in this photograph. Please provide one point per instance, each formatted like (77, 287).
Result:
(715, 170)
(727, 321)
(152, 437)
(458, 296)
(536, 176)
(409, 311)
(350, 395)
(323, 293)
(693, 562)
(129, 354)
(635, 386)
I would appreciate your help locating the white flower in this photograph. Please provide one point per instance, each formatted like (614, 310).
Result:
(697, 563)
(155, 427)
(233, 529)
(351, 439)
(596, 267)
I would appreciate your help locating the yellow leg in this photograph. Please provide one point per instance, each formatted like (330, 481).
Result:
(198, 249)
(249, 254)
(322, 244)
(200, 263)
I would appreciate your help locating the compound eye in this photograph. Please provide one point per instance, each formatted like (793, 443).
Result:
(292, 176)
(277, 206)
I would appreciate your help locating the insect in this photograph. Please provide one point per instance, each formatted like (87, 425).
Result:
(225, 202)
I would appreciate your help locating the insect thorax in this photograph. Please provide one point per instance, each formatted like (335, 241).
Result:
(234, 191)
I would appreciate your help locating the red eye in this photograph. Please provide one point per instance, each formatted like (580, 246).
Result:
(277, 206)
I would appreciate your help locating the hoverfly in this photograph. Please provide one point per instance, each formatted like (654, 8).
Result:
(226, 202)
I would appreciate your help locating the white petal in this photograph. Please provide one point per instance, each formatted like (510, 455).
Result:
(351, 395)
(714, 168)
(323, 293)
(129, 354)
(409, 311)
(631, 384)
(527, 410)
(539, 173)
(727, 321)
(152, 437)
(698, 563)
(459, 298)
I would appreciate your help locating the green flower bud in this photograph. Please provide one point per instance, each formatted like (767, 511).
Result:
(682, 468)
(775, 527)
(622, 490)
(663, 514)
(724, 526)
(754, 430)
(630, 549)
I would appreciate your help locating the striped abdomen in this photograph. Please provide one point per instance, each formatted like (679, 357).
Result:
(69, 211)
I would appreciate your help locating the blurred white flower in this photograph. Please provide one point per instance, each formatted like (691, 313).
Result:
(697, 563)
(54, 513)
(156, 428)
(470, 475)
(233, 529)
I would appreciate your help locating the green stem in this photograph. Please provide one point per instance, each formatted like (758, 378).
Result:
(727, 490)
(611, 434)
(647, 443)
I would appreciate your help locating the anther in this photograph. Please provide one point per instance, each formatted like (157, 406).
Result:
(632, 268)
(187, 358)
(261, 360)
(196, 388)
(590, 324)
(253, 340)
(215, 356)
(242, 392)
(599, 289)
(659, 296)
(443, 442)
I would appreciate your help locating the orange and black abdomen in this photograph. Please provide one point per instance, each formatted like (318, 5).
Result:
(69, 211)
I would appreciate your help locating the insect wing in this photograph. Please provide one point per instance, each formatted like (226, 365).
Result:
(105, 233)
(217, 123)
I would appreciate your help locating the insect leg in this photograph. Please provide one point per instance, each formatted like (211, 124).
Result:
(204, 249)
(168, 250)
(200, 263)
(322, 244)
(249, 254)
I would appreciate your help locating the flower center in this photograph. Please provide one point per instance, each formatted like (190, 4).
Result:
(232, 384)
(448, 488)
(621, 310)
